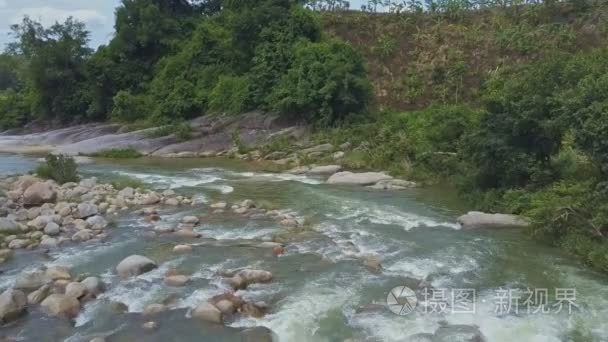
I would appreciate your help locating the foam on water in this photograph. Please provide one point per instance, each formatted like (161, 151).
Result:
(247, 232)
(421, 268)
(275, 177)
(172, 182)
(223, 188)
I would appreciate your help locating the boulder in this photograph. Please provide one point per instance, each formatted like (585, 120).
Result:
(8, 226)
(52, 229)
(172, 201)
(127, 192)
(164, 229)
(251, 276)
(93, 285)
(82, 235)
(12, 304)
(18, 243)
(39, 193)
(182, 249)
(134, 265)
(324, 170)
(30, 281)
(76, 290)
(25, 182)
(393, 184)
(59, 305)
(190, 220)
(49, 243)
(150, 198)
(86, 210)
(97, 222)
(476, 219)
(58, 272)
(39, 295)
(363, 178)
(176, 280)
(208, 312)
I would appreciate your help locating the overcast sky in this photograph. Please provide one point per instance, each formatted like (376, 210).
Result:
(98, 15)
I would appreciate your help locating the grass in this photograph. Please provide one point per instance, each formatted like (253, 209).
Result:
(118, 153)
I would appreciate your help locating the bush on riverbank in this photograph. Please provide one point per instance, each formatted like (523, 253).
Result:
(118, 153)
(60, 168)
(122, 182)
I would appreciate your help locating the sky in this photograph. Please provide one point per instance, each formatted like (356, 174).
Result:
(98, 15)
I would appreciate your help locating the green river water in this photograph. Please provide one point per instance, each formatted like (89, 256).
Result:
(320, 283)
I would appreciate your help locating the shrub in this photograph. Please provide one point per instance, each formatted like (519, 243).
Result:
(326, 82)
(122, 182)
(118, 153)
(129, 108)
(60, 168)
(230, 95)
(182, 131)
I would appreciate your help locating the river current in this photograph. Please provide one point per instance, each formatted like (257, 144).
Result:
(321, 290)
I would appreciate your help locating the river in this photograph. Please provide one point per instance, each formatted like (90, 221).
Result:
(320, 284)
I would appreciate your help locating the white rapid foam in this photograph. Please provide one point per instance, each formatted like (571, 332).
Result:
(172, 182)
(275, 177)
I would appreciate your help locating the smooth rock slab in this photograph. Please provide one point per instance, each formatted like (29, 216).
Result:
(324, 170)
(363, 178)
(12, 304)
(60, 306)
(476, 219)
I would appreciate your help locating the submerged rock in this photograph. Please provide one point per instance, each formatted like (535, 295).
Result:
(476, 219)
(258, 334)
(13, 304)
(208, 312)
(134, 265)
(58, 272)
(39, 295)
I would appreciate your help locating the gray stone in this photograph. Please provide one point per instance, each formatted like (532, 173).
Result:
(208, 312)
(30, 281)
(13, 304)
(58, 272)
(93, 285)
(39, 295)
(363, 178)
(86, 210)
(59, 305)
(134, 265)
(324, 170)
(39, 193)
(8, 226)
(51, 229)
(476, 219)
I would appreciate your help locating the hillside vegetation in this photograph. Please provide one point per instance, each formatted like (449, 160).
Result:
(506, 99)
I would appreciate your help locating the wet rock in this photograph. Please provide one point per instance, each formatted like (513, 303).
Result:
(476, 219)
(118, 307)
(59, 305)
(134, 265)
(258, 334)
(154, 309)
(164, 229)
(190, 220)
(219, 205)
(32, 213)
(176, 280)
(8, 226)
(372, 263)
(251, 276)
(18, 243)
(58, 272)
(324, 170)
(76, 290)
(363, 178)
(97, 222)
(13, 304)
(236, 282)
(93, 285)
(458, 333)
(182, 249)
(150, 198)
(88, 183)
(82, 235)
(252, 310)
(227, 303)
(39, 193)
(39, 295)
(172, 201)
(30, 281)
(86, 210)
(49, 243)
(208, 312)
(52, 229)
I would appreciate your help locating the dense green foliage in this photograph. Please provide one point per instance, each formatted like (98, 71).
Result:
(62, 169)
(118, 153)
(122, 182)
(173, 60)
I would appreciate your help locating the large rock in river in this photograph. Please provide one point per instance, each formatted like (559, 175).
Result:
(39, 193)
(208, 312)
(30, 281)
(477, 219)
(59, 305)
(12, 304)
(324, 170)
(135, 265)
(8, 226)
(363, 178)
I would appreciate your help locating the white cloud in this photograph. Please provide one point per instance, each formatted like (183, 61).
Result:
(48, 15)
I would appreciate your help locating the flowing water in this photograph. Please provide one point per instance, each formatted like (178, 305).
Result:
(320, 284)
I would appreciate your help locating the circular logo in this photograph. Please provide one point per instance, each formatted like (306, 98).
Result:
(401, 300)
